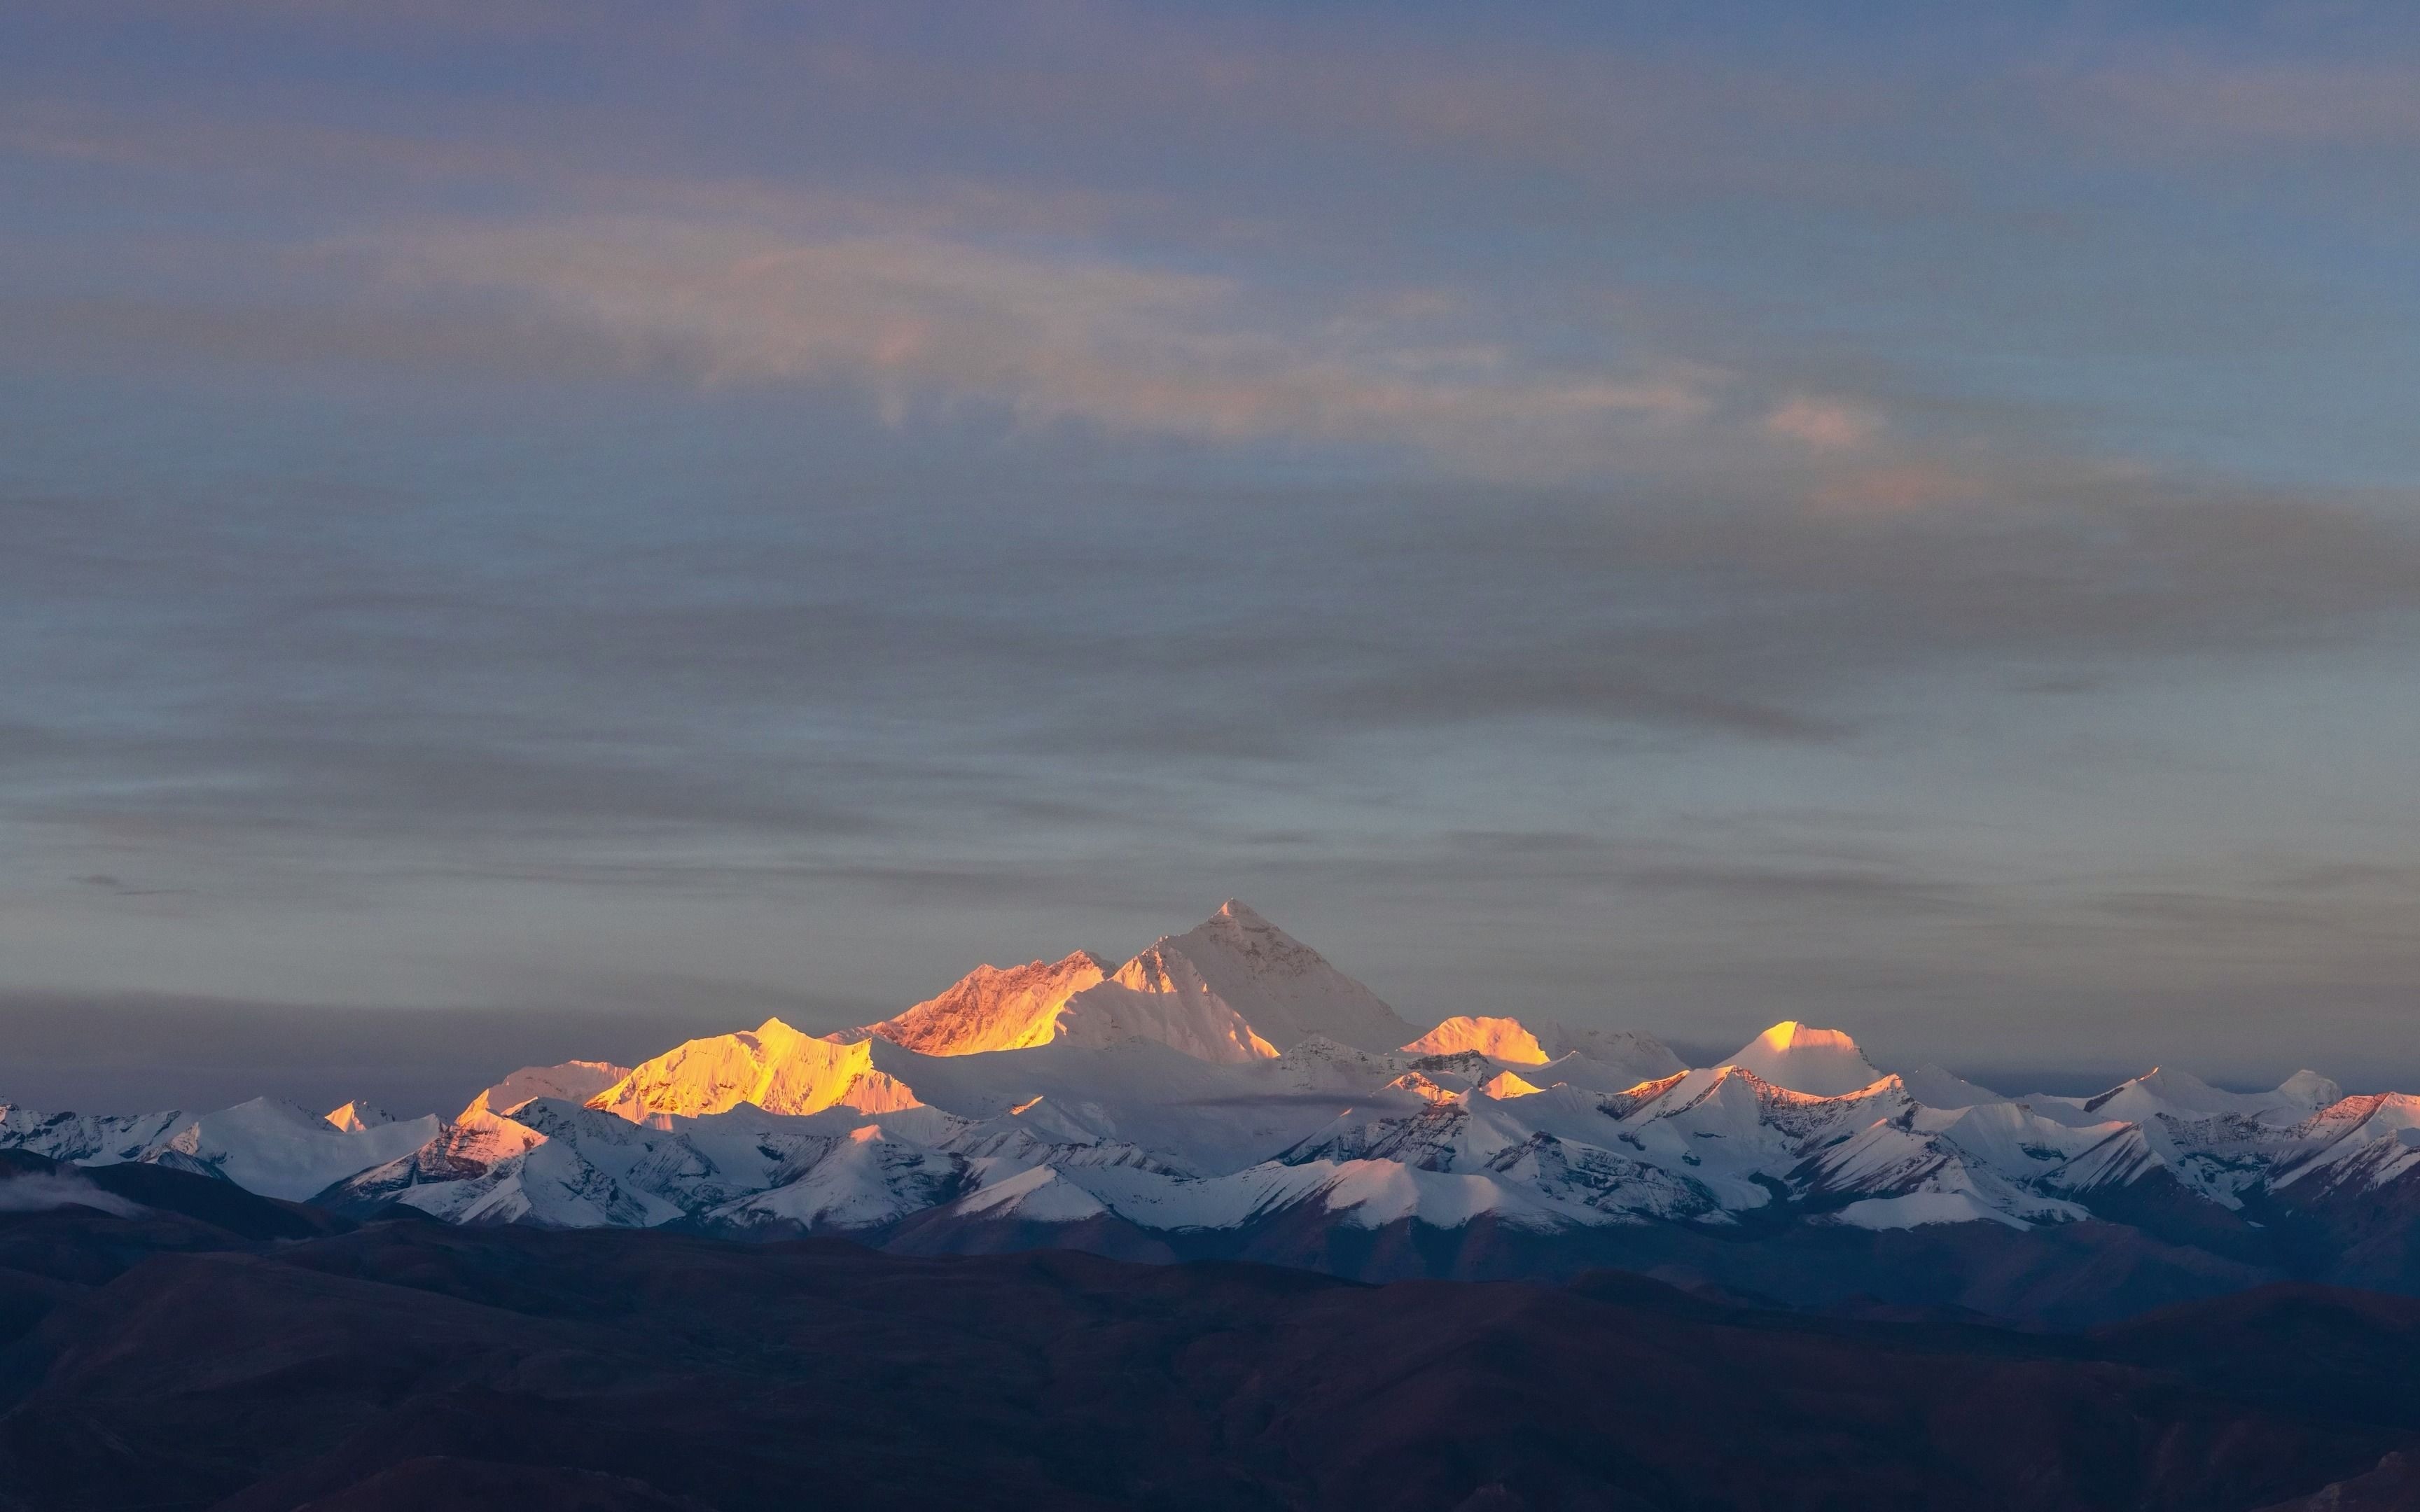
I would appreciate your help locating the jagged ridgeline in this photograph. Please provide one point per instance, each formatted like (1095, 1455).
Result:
(1228, 1092)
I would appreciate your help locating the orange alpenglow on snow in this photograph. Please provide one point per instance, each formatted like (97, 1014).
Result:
(1503, 1040)
(1504, 1084)
(991, 1009)
(774, 1066)
(1824, 1062)
(1234, 988)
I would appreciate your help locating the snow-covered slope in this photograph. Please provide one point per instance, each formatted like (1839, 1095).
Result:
(990, 1008)
(2223, 1145)
(1937, 1088)
(1285, 991)
(266, 1145)
(573, 1081)
(1825, 1062)
(1235, 988)
(86, 1139)
(1161, 997)
(1623, 1058)
(1639, 1057)
(281, 1151)
(1497, 1038)
(772, 1066)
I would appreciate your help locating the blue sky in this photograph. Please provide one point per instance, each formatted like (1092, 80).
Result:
(1678, 517)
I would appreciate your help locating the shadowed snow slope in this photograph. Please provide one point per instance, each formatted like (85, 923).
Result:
(1938, 1088)
(1639, 1057)
(1281, 989)
(281, 1151)
(574, 1081)
(1161, 995)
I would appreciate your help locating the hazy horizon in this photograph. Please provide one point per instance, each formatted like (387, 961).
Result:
(590, 522)
(134, 1052)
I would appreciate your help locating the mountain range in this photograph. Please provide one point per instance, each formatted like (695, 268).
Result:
(1227, 1093)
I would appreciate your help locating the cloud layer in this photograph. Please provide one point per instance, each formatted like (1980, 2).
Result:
(1907, 522)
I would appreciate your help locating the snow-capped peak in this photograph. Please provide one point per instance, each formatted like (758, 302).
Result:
(356, 1115)
(2308, 1089)
(1242, 914)
(992, 1008)
(1285, 990)
(1504, 1086)
(1790, 1055)
(1498, 1039)
(2181, 1093)
(1937, 1088)
(281, 1151)
(573, 1081)
(773, 1067)
(1641, 1056)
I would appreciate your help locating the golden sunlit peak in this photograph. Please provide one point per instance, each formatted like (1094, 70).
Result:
(775, 1068)
(1791, 1035)
(1504, 1084)
(1790, 1055)
(1497, 1038)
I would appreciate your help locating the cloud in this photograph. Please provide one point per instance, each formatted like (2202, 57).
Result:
(914, 318)
(109, 883)
(709, 513)
(1825, 425)
(1897, 488)
(2204, 103)
(41, 1192)
(863, 680)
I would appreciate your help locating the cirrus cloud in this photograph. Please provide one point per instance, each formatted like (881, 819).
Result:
(911, 317)
(1825, 425)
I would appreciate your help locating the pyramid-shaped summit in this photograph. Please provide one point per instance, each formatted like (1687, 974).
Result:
(1234, 988)
(1282, 988)
(1824, 1062)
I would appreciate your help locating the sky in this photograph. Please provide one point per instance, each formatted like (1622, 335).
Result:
(535, 528)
